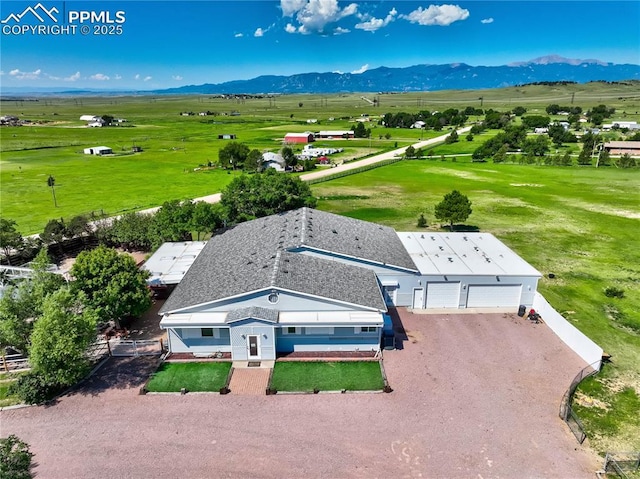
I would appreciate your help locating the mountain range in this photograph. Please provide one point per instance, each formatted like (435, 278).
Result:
(452, 76)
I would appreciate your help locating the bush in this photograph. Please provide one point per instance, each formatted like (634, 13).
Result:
(613, 292)
(33, 388)
(422, 221)
(15, 458)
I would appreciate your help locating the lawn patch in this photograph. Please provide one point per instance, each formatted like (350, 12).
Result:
(327, 376)
(172, 377)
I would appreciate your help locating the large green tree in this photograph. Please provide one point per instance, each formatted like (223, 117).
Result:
(15, 458)
(454, 208)
(61, 336)
(115, 287)
(254, 196)
(10, 239)
(206, 218)
(233, 155)
(172, 222)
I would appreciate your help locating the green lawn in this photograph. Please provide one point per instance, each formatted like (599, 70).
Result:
(199, 376)
(327, 376)
(6, 380)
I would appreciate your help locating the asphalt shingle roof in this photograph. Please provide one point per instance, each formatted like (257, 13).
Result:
(256, 312)
(254, 255)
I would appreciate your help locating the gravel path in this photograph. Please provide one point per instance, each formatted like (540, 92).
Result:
(475, 396)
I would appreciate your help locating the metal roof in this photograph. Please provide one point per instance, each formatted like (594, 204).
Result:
(464, 254)
(171, 261)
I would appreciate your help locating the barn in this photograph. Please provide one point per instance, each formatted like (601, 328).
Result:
(308, 280)
(631, 148)
(299, 137)
(335, 134)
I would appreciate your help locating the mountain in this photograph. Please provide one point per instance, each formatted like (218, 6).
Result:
(453, 76)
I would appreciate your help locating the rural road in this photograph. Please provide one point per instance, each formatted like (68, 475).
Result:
(215, 198)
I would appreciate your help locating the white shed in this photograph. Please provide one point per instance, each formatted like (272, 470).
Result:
(98, 150)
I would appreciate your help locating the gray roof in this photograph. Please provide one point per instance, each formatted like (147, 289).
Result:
(256, 312)
(253, 256)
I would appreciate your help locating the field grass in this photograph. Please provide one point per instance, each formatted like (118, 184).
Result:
(6, 399)
(327, 376)
(579, 223)
(172, 377)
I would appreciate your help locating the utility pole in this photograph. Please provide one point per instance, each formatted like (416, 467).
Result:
(51, 181)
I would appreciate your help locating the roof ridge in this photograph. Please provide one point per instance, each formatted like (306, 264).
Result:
(274, 273)
(304, 225)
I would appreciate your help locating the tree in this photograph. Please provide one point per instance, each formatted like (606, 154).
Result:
(410, 152)
(454, 208)
(537, 146)
(131, 231)
(290, 159)
(501, 155)
(360, 131)
(469, 137)
(10, 238)
(114, 286)
(519, 111)
(248, 197)
(234, 155)
(60, 338)
(206, 218)
(452, 138)
(54, 232)
(254, 161)
(172, 222)
(15, 458)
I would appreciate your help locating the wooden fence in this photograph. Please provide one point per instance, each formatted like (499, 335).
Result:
(14, 362)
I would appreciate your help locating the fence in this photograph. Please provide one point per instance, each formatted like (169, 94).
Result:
(14, 362)
(567, 414)
(353, 171)
(125, 347)
(619, 463)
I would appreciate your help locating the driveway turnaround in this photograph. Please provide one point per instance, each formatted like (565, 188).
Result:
(475, 396)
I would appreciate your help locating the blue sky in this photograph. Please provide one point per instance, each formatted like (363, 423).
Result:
(160, 44)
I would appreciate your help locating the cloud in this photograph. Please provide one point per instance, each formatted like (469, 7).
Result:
(259, 32)
(117, 77)
(315, 15)
(136, 76)
(360, 70)
(340, 31)
(99, 77)
(442, 15)
(176, 77)
(238, 35)
(20, 75)
(372, 24)
(487, 20)
(147, 78)
(74, 77)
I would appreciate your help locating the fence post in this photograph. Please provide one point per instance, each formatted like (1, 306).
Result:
(108, 347)
(161, 346)
(4, 364)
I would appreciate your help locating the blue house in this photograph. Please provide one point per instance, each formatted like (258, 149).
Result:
(312, 281)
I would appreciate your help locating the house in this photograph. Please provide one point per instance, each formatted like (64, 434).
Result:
(307, 280)
(337, 134)
(273, 160)
(306, 137)
(631, 148)
(98, 150)
(622, 125)
(418, 124)
(90, 118)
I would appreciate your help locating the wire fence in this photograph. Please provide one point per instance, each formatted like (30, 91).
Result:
(619, 463)
(567, 414)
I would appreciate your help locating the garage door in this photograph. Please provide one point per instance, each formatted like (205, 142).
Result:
(443, 295)
(493, 296)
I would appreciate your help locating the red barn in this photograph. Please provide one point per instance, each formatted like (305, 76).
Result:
(298, 138)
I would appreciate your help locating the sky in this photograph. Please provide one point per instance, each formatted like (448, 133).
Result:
(146, 45)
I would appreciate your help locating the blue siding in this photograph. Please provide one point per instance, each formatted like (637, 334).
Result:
(343, 339)
(198, 345)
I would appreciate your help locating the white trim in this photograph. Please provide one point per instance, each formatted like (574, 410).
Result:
(258, 351)
(413, 299)
(358, 259)
(285, 330)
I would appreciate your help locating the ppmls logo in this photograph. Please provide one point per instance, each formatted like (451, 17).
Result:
(40, 20)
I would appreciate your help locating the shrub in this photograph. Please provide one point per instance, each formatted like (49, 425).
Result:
(15, 458)
(422, 221)
(33, 388)
(613, 292)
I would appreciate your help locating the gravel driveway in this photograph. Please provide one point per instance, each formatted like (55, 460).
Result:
(475, 396)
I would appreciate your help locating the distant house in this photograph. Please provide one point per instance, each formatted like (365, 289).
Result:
(90, 118)
(299, 137)
(337, 134)
(227, 136)
(418, 124)
(628, 125)
(98, 150)
(631, 148)
(312, 120)
(273, 160)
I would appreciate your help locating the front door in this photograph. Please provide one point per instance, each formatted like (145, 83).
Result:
(418, 298)
(253, 342)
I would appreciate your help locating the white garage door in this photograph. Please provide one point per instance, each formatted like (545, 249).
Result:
(443, 295)
(493, 296)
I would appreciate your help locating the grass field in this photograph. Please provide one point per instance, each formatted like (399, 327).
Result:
(327, 376)
(172, 377)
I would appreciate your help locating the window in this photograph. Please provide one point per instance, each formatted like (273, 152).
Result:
(291, 330)
(206, 332)
(368, 329)
(273, 297)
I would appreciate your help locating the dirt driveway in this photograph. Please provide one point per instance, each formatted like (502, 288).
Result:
(474, 397)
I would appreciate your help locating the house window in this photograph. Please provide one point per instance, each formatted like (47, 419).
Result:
(368, 329)
(291, 330)
(206, 332)
(273, 297)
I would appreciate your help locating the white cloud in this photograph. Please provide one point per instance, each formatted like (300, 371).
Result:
(137, 76)
(74, 77)
(314, 15)
(372, 24)
(20, 75)
(259, 32)
(487, 20)
(238, 35)
(360, 70)
(99, 77)
(337, 71)
(117, 77)
(147, 78)
(340, 31)
(442, 15)
(176, 77)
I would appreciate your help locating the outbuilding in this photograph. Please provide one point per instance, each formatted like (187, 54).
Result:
(335, 134)
(631, 148)
(98, 150)
(299, 138)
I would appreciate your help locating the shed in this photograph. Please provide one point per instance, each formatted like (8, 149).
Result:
(306, 137)
(335, 134)
(98, 150)
(227, 136)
